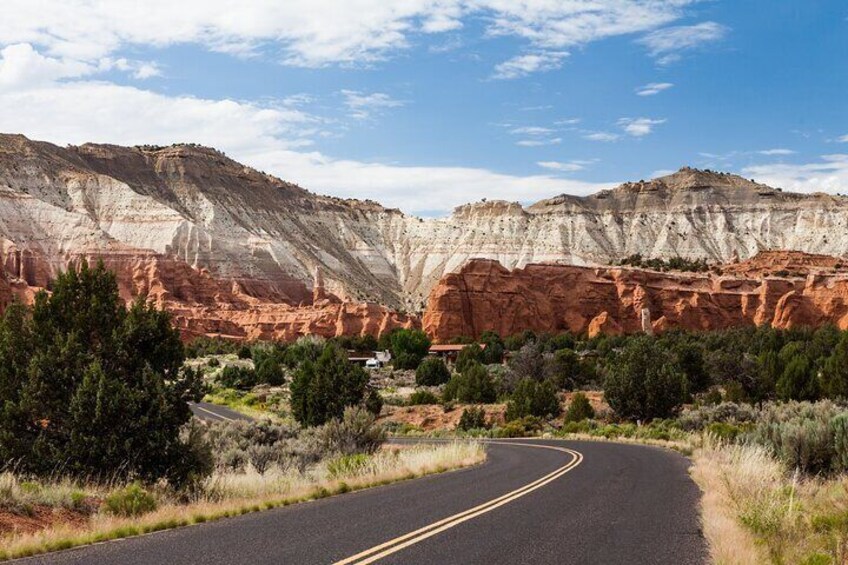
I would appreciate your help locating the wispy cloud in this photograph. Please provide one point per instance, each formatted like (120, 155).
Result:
(567, 166)
(667, 44)
(523, 65)
(363, 105)
(843, 138)
(653, 88)
(776, 152)
(601, 136)
(639, 127)
(539, 142)
(830, 174)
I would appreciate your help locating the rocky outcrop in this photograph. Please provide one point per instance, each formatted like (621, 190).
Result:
(484, 295)
(268, 237)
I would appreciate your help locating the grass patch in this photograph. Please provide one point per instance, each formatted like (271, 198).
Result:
(234, 494)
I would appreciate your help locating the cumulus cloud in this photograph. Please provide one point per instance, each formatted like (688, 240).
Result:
(523, 65)
(362, 104)
(653, 88)
(639, 127)
(667, 44)
(829, 174)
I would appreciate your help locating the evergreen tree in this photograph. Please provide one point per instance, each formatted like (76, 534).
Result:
(432, 372)
(474, 385)
(321, 390)
(835, 371)
(101, 391)
(533, 398)
(469, 354)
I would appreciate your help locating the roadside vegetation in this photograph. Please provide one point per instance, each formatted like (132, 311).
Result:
(97, 440)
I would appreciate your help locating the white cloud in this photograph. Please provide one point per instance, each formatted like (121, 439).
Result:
(523, 65)
(830, 174)
(567, 122)
(639, 127)
(22, 67)
(601, 136)
(539, 142)
(314, 33)
(653, 88)
(667, 44)
(531, 130)
(843, 139)
(362, 105)
(566, 167)
(776, 152)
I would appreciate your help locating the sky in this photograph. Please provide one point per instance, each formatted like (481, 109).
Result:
(426, 105)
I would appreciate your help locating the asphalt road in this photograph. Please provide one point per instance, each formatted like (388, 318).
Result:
(215, 413)
(614, 504)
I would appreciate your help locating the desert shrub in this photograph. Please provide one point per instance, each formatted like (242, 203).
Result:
(469, 354)
(132, 500)
(91, 387)
(803, 435)
(527, 363)
(244, 352)
(321, 391)
(725, 431)
(355, 432)
(270, 371)
(347, 465)
(699, 418)
(241, 378)
(579, 409)
(524, 427)
(473, 418)
(432, 372)
(474, 385)
(213, 362)
(260, 444)
(422, 396)
(204, 346)
(408, 347)
(644, 381)
(532, 398)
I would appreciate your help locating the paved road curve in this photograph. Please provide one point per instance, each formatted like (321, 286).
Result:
(619, 504)
(215, 413)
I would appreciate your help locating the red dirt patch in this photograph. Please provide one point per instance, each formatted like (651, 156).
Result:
(40, 518)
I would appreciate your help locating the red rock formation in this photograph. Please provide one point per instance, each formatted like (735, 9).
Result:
(203, 305)
(485, 296)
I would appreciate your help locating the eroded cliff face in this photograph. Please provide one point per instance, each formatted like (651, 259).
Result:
(194, 205)
(484, 295)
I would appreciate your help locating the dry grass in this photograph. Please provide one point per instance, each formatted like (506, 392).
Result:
(755, 511)
(232, 494)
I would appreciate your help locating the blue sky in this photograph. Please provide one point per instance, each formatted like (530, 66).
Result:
(426, 105)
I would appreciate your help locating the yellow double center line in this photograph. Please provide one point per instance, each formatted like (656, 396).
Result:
(406, 540)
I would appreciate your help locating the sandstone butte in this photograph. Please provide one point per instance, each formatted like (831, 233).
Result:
(781, 289)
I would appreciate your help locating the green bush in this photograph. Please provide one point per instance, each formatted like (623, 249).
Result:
(474, 385)
(469, 354)
(579, 409)
(644, 381)
(321, 391)
(473, 418)
(409, 347)
(532, 398)
(422, 396)
(130, 501)
(270, 371)
(213, 362)
(432, 372)
(347, 465)
(244, 352)
(241, 378)
(494, 350)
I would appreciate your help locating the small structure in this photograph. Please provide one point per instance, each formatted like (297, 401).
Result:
(372, 360)
(449, 351)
